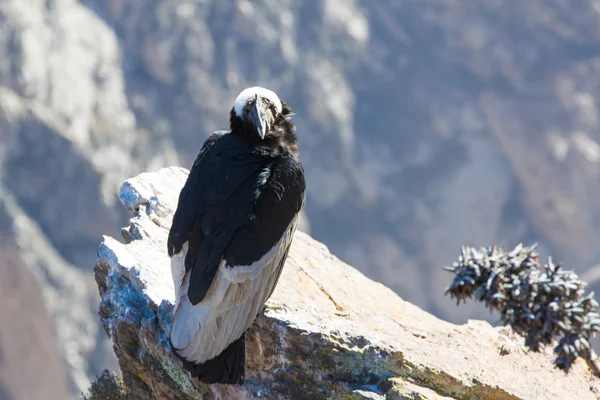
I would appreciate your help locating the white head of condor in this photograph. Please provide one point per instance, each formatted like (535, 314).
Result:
(231, 233)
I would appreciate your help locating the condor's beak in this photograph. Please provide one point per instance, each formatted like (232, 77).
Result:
(258, 117)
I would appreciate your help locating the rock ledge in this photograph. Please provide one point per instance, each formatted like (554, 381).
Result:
(327, 331)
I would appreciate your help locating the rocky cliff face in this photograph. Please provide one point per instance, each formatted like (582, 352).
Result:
(327, 331)
(423, 127)
(67, 137)
(27, 337)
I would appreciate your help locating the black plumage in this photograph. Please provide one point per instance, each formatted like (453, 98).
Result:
(231, 233)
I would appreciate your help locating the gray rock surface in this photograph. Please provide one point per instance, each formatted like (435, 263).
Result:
(27, 335)
(67, 139)
(58, 290)
(327, 331)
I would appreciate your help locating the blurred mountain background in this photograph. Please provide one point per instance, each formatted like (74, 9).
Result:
(423, 125)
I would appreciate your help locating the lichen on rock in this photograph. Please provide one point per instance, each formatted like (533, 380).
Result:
(327, 331)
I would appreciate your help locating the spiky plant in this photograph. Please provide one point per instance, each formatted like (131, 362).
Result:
(541, 303)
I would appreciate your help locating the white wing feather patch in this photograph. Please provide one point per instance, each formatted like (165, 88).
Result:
(178, 268)
(231, 305)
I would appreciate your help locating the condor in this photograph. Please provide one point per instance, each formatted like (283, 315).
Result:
(231, 233)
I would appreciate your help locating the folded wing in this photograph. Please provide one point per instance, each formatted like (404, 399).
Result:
(235, 221)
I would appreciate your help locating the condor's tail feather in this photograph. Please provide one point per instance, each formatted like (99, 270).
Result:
(227, 367)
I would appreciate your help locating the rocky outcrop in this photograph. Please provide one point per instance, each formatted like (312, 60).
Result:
(327, 331)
